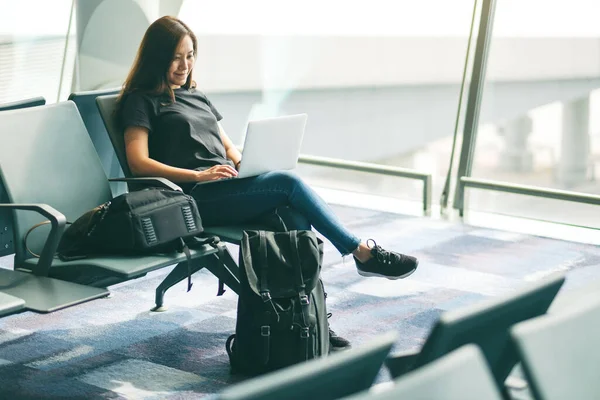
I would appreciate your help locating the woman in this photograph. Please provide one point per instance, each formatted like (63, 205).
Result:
(172, 130)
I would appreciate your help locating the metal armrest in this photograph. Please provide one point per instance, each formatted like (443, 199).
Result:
(400, 363)
(161, 182)
(58, 222)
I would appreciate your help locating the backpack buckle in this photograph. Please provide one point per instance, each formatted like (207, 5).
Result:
(265, 330)
(304, 334)
(304, 300)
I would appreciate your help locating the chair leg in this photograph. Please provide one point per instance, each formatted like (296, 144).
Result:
(179, 273)
(225, 269)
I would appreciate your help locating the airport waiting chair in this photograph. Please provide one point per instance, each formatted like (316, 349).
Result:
(6, 225)
(51, 168)
(10, 304)
(337, 375)
(462, 374)
(86, 104)
(486, 324)
(232, 234)
(560, 353)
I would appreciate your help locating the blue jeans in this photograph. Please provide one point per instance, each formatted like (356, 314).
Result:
(239, 201)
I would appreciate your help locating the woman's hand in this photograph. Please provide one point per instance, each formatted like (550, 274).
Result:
(217, 172)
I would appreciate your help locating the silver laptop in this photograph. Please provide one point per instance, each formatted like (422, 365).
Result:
(272, 144)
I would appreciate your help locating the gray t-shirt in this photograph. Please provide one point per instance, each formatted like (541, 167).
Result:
(182, 134)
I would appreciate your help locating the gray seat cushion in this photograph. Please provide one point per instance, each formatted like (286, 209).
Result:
(126, 266)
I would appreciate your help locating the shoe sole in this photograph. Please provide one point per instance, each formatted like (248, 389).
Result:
(393, 278)
(338, 349)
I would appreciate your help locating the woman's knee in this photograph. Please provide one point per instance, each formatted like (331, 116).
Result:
(286, 179)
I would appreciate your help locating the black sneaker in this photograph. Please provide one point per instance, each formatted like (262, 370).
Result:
(336, 342)
(387, 264)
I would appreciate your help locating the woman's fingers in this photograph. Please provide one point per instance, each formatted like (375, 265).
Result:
(220, 171)
(228, 169)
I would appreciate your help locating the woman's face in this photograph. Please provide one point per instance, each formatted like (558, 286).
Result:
(182, 64)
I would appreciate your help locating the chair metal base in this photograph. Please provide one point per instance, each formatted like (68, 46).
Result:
(223, 267)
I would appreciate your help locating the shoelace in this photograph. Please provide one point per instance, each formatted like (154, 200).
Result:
(382, 255)
(331, 332)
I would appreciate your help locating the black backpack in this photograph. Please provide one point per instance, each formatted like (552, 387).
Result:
(147, 221)
(281, 314)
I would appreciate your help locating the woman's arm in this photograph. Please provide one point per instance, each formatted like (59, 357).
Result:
(140, 163)
(230, 150)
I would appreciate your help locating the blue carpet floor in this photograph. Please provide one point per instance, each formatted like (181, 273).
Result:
(116, 348)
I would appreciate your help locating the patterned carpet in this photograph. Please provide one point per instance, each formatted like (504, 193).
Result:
(116, 348)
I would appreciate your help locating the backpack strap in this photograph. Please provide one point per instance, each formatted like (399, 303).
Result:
(265, 294)
(221, 288)
(213, 241)
(263, 286)
(263, 283)
(299, 279)
(186, 250)
(231, 352)
(302, 296)
(27, 235)
(283, 227)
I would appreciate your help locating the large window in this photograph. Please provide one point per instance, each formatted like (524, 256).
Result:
(380, 80)
(539, 118)
(32, 49)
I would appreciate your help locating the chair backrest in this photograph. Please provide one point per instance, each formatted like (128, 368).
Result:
(6, 225)
(50, 160)
(338, 375)
(86, 104)
(108, 106)
(487, 325)
(460, 375)
(560, 353)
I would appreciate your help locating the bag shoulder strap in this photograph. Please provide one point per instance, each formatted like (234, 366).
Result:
(264, 266)
(299, 279)
(184, 247)
(27, 235)
(62, 257)
(196, 242)
(296, 262)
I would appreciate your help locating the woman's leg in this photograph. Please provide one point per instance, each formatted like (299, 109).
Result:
(239, 201)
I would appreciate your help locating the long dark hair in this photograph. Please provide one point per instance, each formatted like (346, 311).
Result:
(154, 56)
